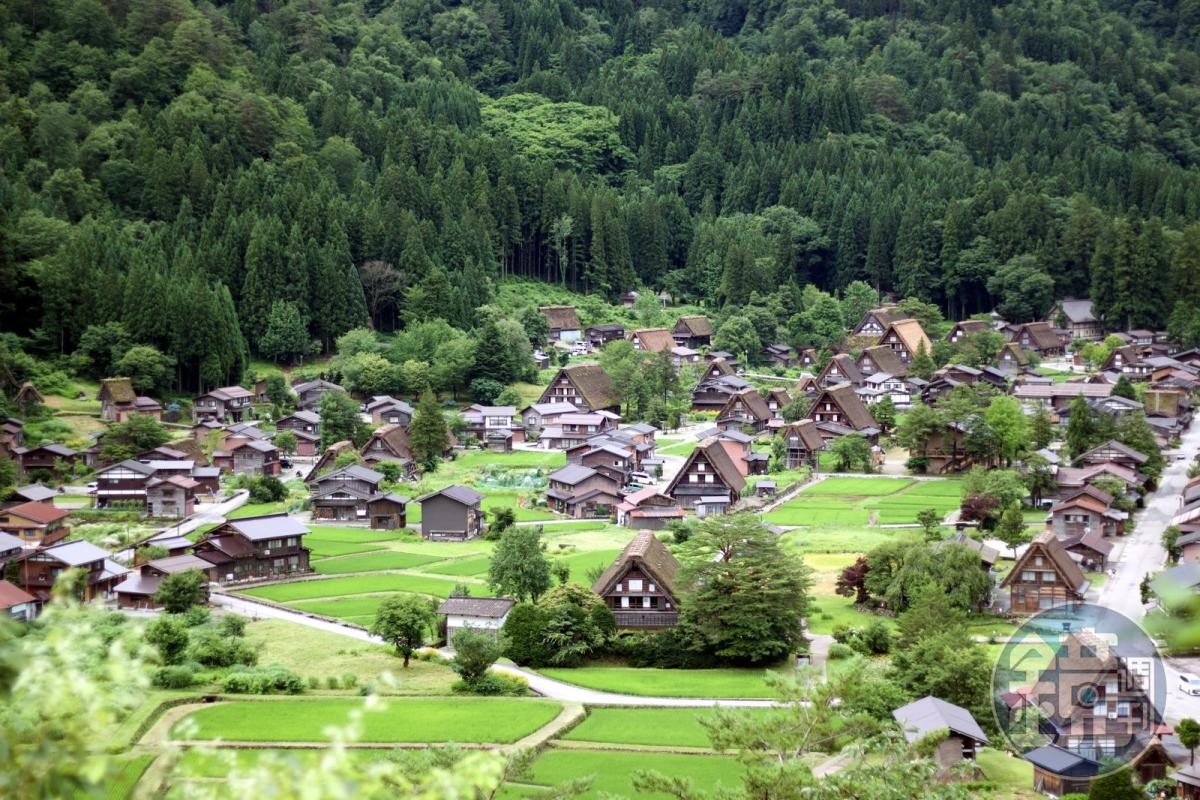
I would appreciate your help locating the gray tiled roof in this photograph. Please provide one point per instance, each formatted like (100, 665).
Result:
(921, 717)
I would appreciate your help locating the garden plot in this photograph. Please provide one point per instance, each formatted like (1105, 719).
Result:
(482, 720)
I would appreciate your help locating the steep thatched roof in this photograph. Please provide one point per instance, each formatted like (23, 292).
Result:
(560, 318)
(647, 553)
(117, 390)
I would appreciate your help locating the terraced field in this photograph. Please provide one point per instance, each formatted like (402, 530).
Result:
(866, 501)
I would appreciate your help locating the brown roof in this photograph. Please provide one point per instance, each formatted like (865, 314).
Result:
(719, 457)
(911, 333)
(119, 390)
(718, 366)
(968, 326)
(780, 396)
(1018, 352)
(394, 436)
(28, 394)
(12, 595)
(1041, 334)
(845, 365)
(886, 359)
(1035, 391)
(560, 318)
(594, 384)
(653, 340)
(844, 396)
(752, 400)
(651, 554)
(1048, 543)
(694, 325)
(41, 513)
(483, 607)
(807, 432)
(886, 315)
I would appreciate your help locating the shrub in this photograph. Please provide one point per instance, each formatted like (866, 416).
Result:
(168, 634)
(349, 680)
(474, 653)
(173, 677)
(873, 640)
(270, 680)
(196, 615)
(314, 682)
(210, 648)
(331, 682)
(843, 633)
(523, 634)
(838, 651)
(493, 683)
(233, 625)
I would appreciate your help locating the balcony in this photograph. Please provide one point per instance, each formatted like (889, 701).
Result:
(645, 619)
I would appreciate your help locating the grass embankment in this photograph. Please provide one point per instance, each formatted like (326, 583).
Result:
(659, 727)
(357, 584)
(482, 720)
(612, 772)
(866, 501)
(742, 683)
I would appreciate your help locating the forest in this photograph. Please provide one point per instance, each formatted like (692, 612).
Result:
(249, 178)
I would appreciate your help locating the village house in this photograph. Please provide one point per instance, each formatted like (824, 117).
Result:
(171, 497)
(10, 548)
(1039, 337)
(639, 586)
(879, 386)
(306, 427)
(1057, 396)
(740, 448)
(253, 457)
(35, 524)
(713, 391)
(40, 568)
(651, 340)
(648, 509)
(840, 405)
(1058, 771)
(777, 355)
(34, 493)
(493, 425)
(1079, 321)
(839, 369)
(241, 432)
(328, 459)
(585, 386)
(1114, 452)
(600, 335)
(1083, 514)
(55, 459)
(387, 410)
(118, 401)
(390, 443)
(803, 444)
(1091, 549)
(881, 358)
(876, 321)
(388, 511)
(12, 435)
(563, 322)
(906, 338)
(1045, 576)
(344, 493)
(693, 331)
(965, 328)
(28, 399)
(777, 400)
(574, 429)
(226, 403)
(1125, 360)
(929, 715)
(945, 450)
(309, 393)
(250, 548)
(608, 457)
(123, 484)
(1012, 359)
(17, 604)
(536, 417)
(453, 513)
(745, 409)
(681, 355)
(582, 492)
(139, 588)
(483, 614)
(708, 472)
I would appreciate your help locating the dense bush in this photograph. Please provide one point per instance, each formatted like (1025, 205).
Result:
(838, 651)
(173, 677)
(268, 680)
(672, 648)
(493, 683)
(210, 648)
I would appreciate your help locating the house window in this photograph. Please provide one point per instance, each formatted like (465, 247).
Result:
(1037, 561)
(1047, 577)
(624, 602)
(645, 602)
(635, 585)
(1123, 709)
(1100, 709)
(618, 587)
(1028, 575)
(1110, 687)
(651, 588)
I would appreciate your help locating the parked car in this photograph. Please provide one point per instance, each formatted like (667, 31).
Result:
(1189, 683)
(641, 477)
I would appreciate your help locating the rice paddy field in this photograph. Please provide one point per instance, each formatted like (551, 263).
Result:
(866, 502)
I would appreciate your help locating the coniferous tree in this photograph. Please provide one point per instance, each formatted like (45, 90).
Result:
(428, 434)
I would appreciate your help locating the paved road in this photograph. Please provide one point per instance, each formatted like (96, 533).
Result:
(547, 687)
(206, 514)
(1140, 553)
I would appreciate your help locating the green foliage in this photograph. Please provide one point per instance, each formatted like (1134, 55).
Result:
(286, 441)
(898, 572)
(1188, 731)
(427, 433)
(340, 420)
(138, 433)
(851, 453)
(285, 337)
(170, 636)
(1115, 785)
(148, 370)
(519, 567)
(180, 591)
(474, 653)
(403, 620)
(262, 680)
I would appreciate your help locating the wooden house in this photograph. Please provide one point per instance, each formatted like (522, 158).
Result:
(906, 338)
(12, 435)
(881, 359)
(648, 509)
(803, 443)
(309, 393)
(946, 451)
(639, 586)
(537, 416)
(52, 458)
(777, 355)
(585, 386)
(387, 511)
(965, 328)
(777, 400)
(563, 322)
(839, 369)
(1058, 771)
(1115, 452)
(253, 457)
(745, 409)
(693, 331)
(17, 604)
(840, 404)
(1044, 577)
(224, 404)
(600, 335)
(713, 392)
(1038, 337)
(1082, 514)
(344, 493)
(387, 410)
(39, 569)
(483, 614)
(453, 513)
(123, 484)
(681, 355)
(582, 492)
(708, 471)
(930, 715)
(574, 429)
(306, 427)
(28, 399)
(1091, 548)
(1081, 322)
(492, 424)
(1012, 359)
(328, 459)
(251, 548)
(651, 340)
(876, 321)
(139, 587)
(390, 443)
(35, 523)
(34, 493)
(1057, 396)
(118, 401)
(171, 497)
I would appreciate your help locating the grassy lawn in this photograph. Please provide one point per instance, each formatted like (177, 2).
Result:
(358, 584)
(359, 609)
(218, 763)
(866, 501)
(486, 720)
(464, 567)
(256, 509)
(132, 768)
(858, 487)
(312, 653)
(333, 533)
(613, 772)
(667, 682)
(373, 561)
(1010, 773)
(828, 611)
(843, 538)
(322, 548)
(581, 562)
(650, 726)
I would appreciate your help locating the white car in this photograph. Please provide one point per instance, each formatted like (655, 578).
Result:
(1189, 683)
(91, 487)
(641, 477)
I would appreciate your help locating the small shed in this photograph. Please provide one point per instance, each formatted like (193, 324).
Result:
(712, 505)
(765, 488)
(486, 614)
(1058, 771)
(386, 511)
(922, 717)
